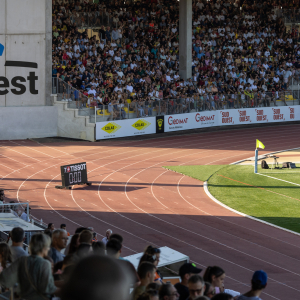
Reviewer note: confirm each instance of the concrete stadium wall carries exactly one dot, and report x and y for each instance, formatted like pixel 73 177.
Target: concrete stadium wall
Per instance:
pixel 28 122
pixel 72 125
pixel 26 34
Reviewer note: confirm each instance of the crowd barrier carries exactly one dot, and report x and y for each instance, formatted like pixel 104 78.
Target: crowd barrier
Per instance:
pixel 196 120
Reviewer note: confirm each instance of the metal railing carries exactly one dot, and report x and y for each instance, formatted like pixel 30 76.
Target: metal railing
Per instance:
pixel 108 109
pixel 65 92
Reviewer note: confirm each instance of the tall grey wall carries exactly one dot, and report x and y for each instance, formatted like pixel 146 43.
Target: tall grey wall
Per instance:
pixel 25 70
pixel 26 34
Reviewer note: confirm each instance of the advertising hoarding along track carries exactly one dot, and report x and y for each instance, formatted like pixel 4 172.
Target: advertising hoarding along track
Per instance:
pixel 122 128
pixel 195 120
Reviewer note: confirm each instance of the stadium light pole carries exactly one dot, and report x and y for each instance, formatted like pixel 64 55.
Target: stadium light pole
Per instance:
pixel 185 38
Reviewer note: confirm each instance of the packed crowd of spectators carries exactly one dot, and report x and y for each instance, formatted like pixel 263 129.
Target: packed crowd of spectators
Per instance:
pixel 60 266
pixel 242 54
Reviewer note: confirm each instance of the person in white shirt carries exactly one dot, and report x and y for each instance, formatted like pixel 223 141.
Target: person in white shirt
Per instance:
pixel 276 79
pixel 92 91
pixel 129 87
pixel 107 236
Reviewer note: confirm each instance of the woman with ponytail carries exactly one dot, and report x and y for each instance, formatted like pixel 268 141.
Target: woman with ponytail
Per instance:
pixel 216 276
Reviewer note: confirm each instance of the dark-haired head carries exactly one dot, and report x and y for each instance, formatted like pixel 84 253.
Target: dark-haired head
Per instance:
pixel 146 270
pixel 51 226
pixel 168 290
pixel 116 236
pixel 17 235
pixel 80 229
pixel 113 248
pixel 149 295
pixel 153 286
pixel 98 248
pixel 214 275
pixel 209 290
pixel 222 296
pixel 196 286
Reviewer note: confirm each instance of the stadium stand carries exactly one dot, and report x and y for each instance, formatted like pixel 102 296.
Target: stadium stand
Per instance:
pixel 243 55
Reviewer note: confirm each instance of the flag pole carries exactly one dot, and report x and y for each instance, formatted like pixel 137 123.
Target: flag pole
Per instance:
pixel 256 158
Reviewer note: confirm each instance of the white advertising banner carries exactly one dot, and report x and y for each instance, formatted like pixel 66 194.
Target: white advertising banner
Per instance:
pixel 195 120
pixel 123 128
pixel 232 117
pixel 190 121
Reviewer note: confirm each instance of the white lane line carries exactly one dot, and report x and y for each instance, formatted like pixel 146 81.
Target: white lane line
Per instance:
pixel 7 167
pixel 21 153
pixel 279 179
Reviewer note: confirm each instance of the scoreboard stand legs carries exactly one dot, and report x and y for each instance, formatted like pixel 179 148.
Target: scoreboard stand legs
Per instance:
pixel 69 187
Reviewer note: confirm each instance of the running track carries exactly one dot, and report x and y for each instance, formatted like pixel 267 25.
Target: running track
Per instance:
pixel 133 195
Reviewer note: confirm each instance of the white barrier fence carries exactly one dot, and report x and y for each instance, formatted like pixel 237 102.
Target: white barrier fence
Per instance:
pixel 177 122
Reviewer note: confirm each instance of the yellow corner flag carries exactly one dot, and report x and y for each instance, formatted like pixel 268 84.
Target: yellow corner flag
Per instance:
pixel 259 144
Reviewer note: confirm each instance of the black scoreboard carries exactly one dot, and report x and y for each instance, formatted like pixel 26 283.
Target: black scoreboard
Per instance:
pixel 73 174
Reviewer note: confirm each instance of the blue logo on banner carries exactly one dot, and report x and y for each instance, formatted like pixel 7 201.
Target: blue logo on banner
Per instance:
pixel 1 49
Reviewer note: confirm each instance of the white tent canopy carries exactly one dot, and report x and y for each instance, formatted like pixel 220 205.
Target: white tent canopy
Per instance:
pixel 168 257
pixel 8 221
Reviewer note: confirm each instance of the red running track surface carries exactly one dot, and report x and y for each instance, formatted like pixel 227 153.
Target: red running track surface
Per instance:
pixel 133 195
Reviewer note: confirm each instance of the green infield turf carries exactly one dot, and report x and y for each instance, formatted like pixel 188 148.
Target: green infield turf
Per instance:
pixel 270 199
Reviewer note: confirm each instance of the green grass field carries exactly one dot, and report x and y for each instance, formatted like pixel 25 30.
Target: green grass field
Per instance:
pixel 237 186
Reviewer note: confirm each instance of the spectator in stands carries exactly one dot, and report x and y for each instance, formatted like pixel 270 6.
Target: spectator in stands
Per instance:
pixel 48 232
pixel 153 286
pixel 215 276
pixel 59 242
pixel 51 227
pixel 35 280
pixel 114 248
pixel 85 243
pixel 107 235
pixel 196 287
pixel 97 278
pixel 23 215
pixel 74 244
pixel 149 295
pixel 2 196
pixel 168 292
pixel 185 272
pixel 17 238
pixel 258 284
pixel 5 256
pixel 64 227
pixel 209 290
pixel 202 298
pixel 152 255
pixel 98 248
pixel 223 296
pixel 116 236
pixel 146 272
